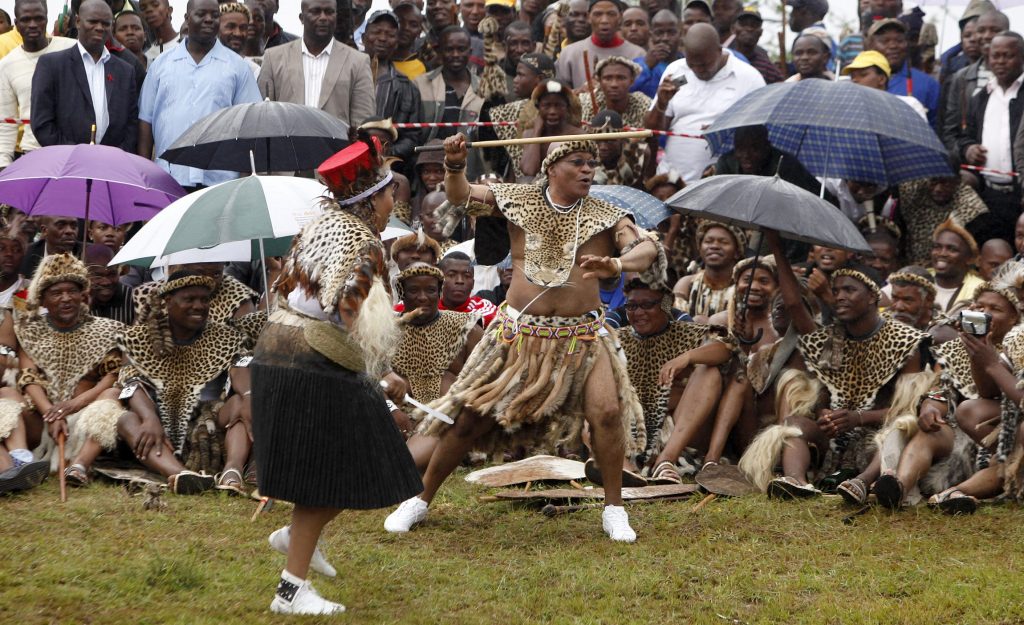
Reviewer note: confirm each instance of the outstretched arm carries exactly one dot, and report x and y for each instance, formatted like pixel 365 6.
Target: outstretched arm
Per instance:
pixel 638 252
pixel 788 285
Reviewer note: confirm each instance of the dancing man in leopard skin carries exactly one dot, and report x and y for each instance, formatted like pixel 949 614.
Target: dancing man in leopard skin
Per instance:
pixel 546 364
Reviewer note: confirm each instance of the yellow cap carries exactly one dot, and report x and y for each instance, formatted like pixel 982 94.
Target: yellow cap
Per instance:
pixel 869 58
pixel 505 3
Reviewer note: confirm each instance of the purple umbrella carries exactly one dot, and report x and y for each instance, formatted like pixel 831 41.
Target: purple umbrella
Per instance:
pixel 84 181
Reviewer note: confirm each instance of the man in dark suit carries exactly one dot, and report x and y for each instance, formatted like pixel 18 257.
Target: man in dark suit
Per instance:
pixel 86 85
pixel 60 234
pixel 993 119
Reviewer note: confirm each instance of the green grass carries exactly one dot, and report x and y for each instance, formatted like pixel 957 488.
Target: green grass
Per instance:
pixel 100 558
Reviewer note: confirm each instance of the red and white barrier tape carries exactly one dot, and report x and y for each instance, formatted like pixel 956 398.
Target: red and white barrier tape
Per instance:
pixel 986 170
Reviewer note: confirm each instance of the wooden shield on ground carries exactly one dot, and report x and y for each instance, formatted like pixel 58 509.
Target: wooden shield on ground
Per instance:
pixel 725 479
pixel 534 469
pixel 566 494
pixel 120 474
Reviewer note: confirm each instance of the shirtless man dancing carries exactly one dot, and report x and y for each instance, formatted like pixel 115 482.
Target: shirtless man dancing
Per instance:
pixel 546 363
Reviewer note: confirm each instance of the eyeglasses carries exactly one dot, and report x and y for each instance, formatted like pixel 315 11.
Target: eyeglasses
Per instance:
pixel 632 306
pixel 580 162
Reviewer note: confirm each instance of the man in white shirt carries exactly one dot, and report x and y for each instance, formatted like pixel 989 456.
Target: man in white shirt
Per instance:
pixel 318 71
pixel 993 118
pixel 714 81
pixel 157 14
pixel 16 71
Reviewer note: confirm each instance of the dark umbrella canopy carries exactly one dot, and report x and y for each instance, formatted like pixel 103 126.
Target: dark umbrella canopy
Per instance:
pixel 281 135
pixel 769 202
pixel 838 130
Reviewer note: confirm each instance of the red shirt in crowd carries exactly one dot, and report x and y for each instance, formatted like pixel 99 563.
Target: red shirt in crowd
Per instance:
pixel 475 304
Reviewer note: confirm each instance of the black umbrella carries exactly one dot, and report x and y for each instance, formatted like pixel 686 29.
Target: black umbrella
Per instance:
pixel 769 202
pixel 282 136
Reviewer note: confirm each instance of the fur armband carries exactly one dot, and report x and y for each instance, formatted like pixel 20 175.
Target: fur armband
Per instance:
pixel 449 215
pixel 110 363
pixel 403 211
pixel 656 274
pixel 29 377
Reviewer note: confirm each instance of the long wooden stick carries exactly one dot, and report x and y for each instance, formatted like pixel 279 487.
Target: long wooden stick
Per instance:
pixel 497 143
pixel 60 467
pixel 590 83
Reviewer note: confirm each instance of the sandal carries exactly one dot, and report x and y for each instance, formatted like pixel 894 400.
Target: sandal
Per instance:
pixel 954 502
pixel 788 488
pixel 665 474
pixel 190 483
pixel 231 480
pixel 76 475
pixel 629 478
pixel 889 491
pixel 853 491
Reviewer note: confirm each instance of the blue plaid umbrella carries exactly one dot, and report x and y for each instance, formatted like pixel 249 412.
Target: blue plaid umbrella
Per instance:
pixel 647 210
pixel 838 130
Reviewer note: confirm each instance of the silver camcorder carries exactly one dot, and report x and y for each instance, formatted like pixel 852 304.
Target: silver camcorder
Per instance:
pixel 974 322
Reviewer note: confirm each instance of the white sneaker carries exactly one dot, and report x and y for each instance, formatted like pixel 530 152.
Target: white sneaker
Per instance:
pixel 301 598
pixel 280 539
pixel 411 512
pixel 616 524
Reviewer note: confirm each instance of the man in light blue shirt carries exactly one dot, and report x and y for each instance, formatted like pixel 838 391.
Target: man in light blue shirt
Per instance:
pixel 183 85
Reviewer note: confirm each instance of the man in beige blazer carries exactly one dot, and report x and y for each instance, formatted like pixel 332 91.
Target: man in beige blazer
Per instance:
pixel 319 71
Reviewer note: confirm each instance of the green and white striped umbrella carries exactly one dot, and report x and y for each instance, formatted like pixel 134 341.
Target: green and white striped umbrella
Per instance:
pixel 227 222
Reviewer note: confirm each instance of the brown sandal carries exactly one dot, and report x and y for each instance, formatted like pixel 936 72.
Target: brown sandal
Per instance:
pixel 76 475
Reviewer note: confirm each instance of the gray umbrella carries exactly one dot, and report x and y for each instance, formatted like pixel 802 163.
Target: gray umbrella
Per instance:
pixel 769 202
pixel 282 136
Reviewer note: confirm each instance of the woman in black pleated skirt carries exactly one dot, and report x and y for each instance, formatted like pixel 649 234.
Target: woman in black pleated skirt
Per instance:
pixel 324 438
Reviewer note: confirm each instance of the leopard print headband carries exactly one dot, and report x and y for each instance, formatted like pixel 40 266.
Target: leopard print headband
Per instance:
pixel 184 282
pixel 565 149
pixel 860 277
pixel 414 270
pixel 1004 292
pixel 914 279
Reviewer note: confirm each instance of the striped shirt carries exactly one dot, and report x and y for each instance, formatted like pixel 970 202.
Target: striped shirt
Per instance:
pixel 119 308
pixel 313 70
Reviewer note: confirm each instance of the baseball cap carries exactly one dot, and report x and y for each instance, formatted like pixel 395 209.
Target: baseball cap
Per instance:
pixel 869 58
pixel 507 4
pixel 883 24
pixel 382 15
pixel 751 13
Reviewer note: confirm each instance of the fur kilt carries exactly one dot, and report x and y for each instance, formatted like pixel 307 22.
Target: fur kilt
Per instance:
pixel 323 435
pixel 529 376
